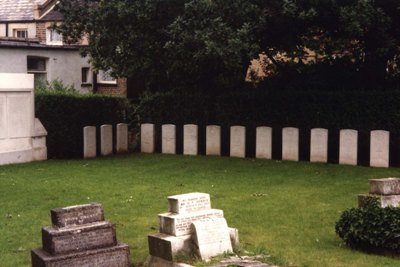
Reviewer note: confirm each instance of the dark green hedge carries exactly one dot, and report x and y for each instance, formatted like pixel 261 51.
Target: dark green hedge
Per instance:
pixel 65 115
pixel 361 110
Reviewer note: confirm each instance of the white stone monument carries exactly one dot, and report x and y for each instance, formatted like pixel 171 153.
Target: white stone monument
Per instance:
pixel 190 139
pixel 290 144
pixel 89 142
pixel 379 149
pixel 238 142
pixel 147 139
pixel 122 138
pixel 106 140
pixel 264 142
pixel 213 140
pixel 348 147
pixel 168 139
pixel 319 145
pixel 22 137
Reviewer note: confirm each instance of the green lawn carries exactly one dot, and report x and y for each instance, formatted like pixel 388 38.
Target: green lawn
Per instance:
pixel 288 208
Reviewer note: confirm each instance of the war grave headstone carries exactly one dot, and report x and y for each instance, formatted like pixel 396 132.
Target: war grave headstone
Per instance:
pixel 264 142
pixel 213 140
pixel 385 190
pixel 238 142
pixel 379 149
pixel 190 139
pixel 290 144
pixel 89 142
pixel 348 147
pixel 106 142
pixel 147 139
pixel 122 138
pixel 79 236
pixel 319 145
pixel 168 136
pixel 180 235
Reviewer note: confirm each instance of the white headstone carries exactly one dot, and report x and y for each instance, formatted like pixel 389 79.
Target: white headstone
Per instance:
pixel 264 142
pixel 186 203
pixel 190 139
pixel 238 141
pixel 168 136
pixel 319 145
pixel 147 140
pixel 213 140
pixel 348 147
pixel 290 144
pixel 211 237
pixel 379 149
pixel 106 140
pixel 122 138
pixel 89 142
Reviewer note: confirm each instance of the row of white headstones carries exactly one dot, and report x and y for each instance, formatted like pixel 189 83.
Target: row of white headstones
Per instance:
pixel 348 143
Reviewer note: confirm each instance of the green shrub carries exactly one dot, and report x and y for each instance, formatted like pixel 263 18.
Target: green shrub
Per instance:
pixel 64 116
pixel 55 86
pixel 371 228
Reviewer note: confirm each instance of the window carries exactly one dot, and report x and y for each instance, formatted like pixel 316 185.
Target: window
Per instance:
pixel 86 75
pixel 53 37
pixel 37 66
pixel 105 77
pixel 20 33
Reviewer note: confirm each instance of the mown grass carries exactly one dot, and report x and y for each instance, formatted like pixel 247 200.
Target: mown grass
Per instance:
pixel 288 209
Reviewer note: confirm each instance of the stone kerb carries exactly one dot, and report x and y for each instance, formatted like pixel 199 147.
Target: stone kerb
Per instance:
pixel 290 144
pixel 379 149
pixel 89 142
pixel 106 140
pixel 80 237
pixel 238 141
pixel 147 138
pixel 190 139
pixel 348 147
pixel 213 140
pixel 168 136
pixel 319 145
pixel 122 138
pixel 264 142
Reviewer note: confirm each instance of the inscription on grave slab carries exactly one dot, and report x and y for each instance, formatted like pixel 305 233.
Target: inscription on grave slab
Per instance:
pixel 76 215
pixel 190 202
pixel 211 236
pixel 384 186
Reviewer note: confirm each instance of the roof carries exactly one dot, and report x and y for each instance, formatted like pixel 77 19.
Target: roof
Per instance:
pixel 24 10
pixel 10 42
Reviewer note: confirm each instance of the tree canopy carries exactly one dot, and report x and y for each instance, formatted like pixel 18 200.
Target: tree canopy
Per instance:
pixel 208 44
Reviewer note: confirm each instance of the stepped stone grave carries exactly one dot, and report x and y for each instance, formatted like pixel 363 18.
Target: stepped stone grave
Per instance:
pixel 385 190
pixel 80 236
pixel 190 227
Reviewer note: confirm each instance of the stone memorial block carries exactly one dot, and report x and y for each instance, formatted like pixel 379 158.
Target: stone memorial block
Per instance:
pixel 106 137
pixel 211 237
pixel 168 133
pixel 147 139
pixel 190 139
pixel 383 201
pixel 19 141
pixel 264 142
pixel 290 144
pixel 213 140
pixel 89 142
pixel 348 147
pixel 179 224
pixel 187 203
pixel 384 186
pixel 238 141
pixel 319 145
pixel 167 247
pixel 379 149
pixel 77 215
pixel 122 138
pixel 80 237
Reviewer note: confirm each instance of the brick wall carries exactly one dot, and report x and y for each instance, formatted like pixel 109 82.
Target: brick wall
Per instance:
pixel 120 89
pixel 41 31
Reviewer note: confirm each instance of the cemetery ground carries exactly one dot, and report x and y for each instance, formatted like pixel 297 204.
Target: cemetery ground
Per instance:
pixel 286 210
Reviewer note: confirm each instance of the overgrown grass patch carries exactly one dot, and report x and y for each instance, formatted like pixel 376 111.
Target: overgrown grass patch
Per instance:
pixel 288 209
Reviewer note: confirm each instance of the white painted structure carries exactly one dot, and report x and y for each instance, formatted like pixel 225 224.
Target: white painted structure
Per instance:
pixel 22 137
